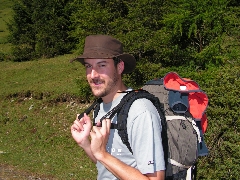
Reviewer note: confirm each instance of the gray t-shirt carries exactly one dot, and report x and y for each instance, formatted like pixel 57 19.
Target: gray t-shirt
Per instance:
pixel 144 135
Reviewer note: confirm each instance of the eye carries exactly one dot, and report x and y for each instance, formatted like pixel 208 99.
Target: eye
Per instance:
pixel 87 66
pixel 102 65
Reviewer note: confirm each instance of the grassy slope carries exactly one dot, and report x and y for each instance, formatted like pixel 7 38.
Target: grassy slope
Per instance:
pixel 35 133
pixel 55 75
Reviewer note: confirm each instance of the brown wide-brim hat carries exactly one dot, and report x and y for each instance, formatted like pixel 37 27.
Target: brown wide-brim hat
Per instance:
pixel 106 47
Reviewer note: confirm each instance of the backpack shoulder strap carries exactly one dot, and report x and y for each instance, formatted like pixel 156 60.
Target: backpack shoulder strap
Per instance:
pixel 123 115
pixel 122 110
pixel 95 105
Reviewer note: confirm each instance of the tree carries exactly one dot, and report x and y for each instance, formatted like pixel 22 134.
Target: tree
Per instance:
pixel 175 32
pixel 196 31
pixel 95 17
pixel 22 35
pixel 51 24
pixel 40 29
pixel 133 22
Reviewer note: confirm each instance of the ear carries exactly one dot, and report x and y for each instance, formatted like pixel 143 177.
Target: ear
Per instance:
pixel 120 67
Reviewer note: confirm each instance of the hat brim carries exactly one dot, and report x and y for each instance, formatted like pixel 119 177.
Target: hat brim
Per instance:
pixel 128 59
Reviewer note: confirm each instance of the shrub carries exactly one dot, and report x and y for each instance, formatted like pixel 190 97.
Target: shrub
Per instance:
pixel 84 89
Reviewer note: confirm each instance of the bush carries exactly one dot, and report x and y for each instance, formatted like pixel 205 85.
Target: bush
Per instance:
pixel 84 89
pixel 2 56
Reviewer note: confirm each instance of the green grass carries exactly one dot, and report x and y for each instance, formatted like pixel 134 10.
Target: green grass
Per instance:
pixel 35 130
pixel 5 16
pixel 50 76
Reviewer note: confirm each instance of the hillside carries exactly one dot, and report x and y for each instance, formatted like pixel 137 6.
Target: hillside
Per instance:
pixel 38 104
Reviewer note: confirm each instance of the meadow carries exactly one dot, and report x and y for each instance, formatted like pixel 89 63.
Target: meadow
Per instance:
pixel 38 104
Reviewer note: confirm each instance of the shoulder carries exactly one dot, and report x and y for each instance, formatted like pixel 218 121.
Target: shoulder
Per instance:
pixel 143 111
pixel 142 105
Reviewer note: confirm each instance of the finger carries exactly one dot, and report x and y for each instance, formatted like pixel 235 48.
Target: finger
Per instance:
pixel 93 133
pixel 108 125
pixel 104 126
pixel 86 118
pixel 96 131
pixel 77 118
pixel 82 118
pixel 74 127
pixel 78 125
pixel 99 124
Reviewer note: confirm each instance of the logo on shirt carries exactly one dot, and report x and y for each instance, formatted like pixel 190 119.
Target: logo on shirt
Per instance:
pixel 114 151
pixel 150 162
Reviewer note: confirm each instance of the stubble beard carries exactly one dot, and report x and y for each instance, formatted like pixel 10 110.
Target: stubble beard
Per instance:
pixel 104 91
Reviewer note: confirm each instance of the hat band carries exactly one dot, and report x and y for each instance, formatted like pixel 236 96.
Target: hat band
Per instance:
pixel 101 50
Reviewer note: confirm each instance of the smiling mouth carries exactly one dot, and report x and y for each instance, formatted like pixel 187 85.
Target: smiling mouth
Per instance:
pixel 96 82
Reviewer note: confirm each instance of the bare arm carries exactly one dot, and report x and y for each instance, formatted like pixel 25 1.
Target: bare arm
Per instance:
pixel 123 171
pixel 118 168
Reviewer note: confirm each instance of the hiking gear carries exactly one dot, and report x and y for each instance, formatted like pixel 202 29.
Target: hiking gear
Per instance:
pixel 183 102
pixel 106 47
pixel 181 105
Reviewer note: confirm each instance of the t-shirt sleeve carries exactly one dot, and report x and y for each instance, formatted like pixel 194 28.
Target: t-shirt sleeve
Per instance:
pixel 144 133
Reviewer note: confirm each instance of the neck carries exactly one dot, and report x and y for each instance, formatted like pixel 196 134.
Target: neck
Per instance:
pixel 114 94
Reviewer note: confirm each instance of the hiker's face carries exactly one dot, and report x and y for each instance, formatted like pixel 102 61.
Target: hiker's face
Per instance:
pixel 102 76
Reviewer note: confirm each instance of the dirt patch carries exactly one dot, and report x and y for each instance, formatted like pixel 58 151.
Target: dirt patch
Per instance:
pixel 47 96
pixel 8 172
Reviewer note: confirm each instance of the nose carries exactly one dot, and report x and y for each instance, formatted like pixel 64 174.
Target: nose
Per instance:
pixel 94 74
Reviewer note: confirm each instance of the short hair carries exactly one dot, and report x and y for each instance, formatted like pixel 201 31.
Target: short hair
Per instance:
pixel 116 61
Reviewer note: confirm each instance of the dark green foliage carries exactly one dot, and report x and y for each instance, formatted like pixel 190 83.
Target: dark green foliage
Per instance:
pixel 39 29
pixel 132 22
pixel 96 17
pixel 171 33
pixel 52 28
pixel 196 31
pixel 22 34
pixel 222 87
pixel 84 90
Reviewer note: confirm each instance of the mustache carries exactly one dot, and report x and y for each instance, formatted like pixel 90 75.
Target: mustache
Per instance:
pixel 96 81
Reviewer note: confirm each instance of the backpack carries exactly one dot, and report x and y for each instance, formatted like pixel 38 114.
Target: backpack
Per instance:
pixel 181 105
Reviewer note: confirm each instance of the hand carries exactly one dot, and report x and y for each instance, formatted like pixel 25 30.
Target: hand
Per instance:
pixel 99 136
pixel 81 130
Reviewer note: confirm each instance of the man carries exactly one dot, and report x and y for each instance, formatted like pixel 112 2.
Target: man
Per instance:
pixel 105 63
